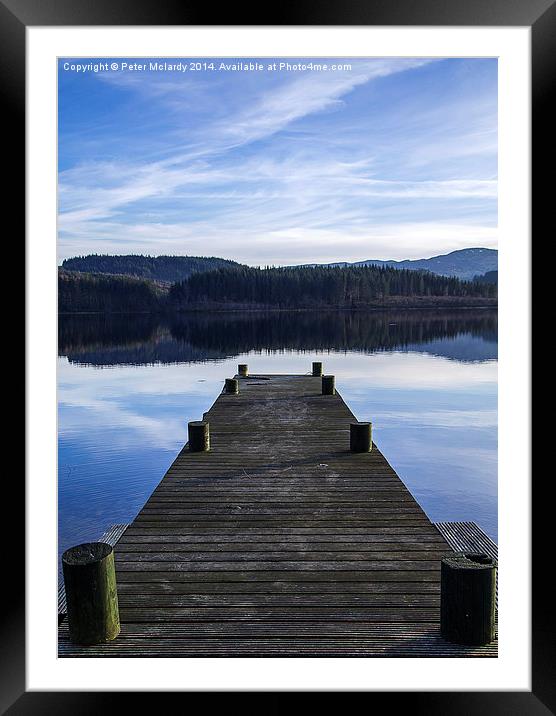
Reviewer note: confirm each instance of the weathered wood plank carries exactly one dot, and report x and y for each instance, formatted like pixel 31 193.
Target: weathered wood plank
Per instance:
pixel 154 600
pixel 278 639
pixel 303 547
pixel 297 589
pixel 277 573
pixel 127 565
pixel 238 541
pixel 276 556
pixel 288 614
pixel 277 530
pixel 467 537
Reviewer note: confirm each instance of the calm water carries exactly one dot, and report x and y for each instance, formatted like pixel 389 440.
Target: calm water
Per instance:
pixel 128 385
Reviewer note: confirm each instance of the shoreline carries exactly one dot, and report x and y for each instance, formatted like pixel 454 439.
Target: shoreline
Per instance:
pixel 327 309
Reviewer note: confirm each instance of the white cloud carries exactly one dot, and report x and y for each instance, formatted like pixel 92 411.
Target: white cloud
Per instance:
pixel 306 95
pixel 247 238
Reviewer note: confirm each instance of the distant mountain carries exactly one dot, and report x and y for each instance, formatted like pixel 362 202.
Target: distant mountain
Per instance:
pixel 463 264
pixel 167 269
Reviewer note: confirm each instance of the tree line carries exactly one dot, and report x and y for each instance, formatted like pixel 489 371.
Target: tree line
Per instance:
pixel 157 268
pixel 297 287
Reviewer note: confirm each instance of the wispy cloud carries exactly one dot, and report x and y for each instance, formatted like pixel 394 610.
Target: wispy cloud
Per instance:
pixel 302 169
pixel 305 96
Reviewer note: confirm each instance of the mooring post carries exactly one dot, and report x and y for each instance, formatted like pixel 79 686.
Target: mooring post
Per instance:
pixel 328 385
pixel 468 598
pixel 91 596
pixel 360 437
pixel 199 436
pixel 317 368
pixel 231 385
pixel 243 370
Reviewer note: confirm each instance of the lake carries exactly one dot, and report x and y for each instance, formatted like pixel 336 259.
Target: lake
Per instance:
pixel 128 385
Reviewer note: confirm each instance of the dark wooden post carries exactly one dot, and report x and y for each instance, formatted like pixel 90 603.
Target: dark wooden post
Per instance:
pixel 91 596
pixel 468 598
pixel 317 369
pixel 328 385
pixel 243 370
pixel 360 437
pixel 231 385
pixel 199 436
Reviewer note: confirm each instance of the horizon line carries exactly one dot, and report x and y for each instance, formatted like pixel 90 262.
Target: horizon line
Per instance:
pixel 286 265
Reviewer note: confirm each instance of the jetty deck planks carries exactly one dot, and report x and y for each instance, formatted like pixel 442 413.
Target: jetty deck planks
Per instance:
pixel 279 542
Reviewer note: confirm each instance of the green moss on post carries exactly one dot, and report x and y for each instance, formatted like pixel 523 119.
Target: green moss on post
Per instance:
pixel 468 598
pixel 328 385
pixel 317 369
pixel 360 437
pixel 231 385
pixel 243 370
pixel 91 595
pixel 199 436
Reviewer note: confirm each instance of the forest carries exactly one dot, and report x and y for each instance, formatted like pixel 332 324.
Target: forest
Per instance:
pixel 321 286
pixel 276 288
pixel 83 292
pixel 488 277
pixel 168 269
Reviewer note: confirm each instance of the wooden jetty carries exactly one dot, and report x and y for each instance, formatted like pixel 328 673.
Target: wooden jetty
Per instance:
pixel 279 541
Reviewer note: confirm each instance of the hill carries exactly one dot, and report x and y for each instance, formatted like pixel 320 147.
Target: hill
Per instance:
pixel 168 269
pixel 464 263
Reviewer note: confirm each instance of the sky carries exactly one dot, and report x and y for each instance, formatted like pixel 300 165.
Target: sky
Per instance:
pixel 384 158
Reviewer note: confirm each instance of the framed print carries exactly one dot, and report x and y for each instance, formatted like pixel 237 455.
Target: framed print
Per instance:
pixel 271 442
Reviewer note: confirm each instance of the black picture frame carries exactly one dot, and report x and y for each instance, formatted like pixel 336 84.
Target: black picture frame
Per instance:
pixel 540 16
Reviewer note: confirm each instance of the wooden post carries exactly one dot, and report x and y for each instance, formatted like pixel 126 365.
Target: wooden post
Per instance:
pixel 243 370
pixel 360 437
pixel 328 385
pixel 468 598
pixel 91 596
pixel 231 385
pixel 317 369
pixel 199 436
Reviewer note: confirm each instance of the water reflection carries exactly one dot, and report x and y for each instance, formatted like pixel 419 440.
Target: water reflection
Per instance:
pixel 427 381
pixel 104 340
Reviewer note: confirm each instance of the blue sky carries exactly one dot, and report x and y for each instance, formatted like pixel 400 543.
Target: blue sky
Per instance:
pixel 386 158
